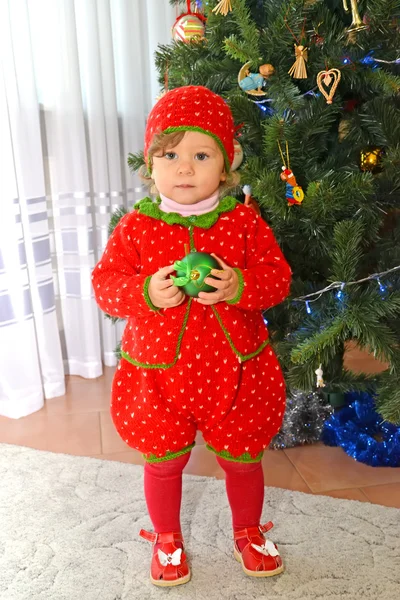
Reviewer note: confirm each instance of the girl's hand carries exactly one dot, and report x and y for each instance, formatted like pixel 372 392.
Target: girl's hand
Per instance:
pixel 227 284
pixel 162 291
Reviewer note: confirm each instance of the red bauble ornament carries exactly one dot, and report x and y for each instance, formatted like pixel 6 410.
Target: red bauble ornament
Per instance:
pixel 189 26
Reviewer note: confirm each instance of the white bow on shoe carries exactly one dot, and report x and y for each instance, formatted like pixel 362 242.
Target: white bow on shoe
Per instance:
pixel 268 549
pixel 170 559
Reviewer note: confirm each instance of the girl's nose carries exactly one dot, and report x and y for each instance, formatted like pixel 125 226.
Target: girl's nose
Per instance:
pixel 185 167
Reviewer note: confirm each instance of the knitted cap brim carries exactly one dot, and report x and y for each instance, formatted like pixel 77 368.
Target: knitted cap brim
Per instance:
pixel 201 130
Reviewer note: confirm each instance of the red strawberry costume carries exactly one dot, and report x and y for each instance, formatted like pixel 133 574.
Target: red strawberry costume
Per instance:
pixel 194 366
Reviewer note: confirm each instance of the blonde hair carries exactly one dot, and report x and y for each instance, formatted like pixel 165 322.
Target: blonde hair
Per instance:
pixel 162 141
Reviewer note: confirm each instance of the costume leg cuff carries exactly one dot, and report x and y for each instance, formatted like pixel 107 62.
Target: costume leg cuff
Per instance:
pixel 243 458
pixel 152 458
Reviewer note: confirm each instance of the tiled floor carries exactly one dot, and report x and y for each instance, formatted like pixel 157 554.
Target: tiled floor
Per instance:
pixel 79 423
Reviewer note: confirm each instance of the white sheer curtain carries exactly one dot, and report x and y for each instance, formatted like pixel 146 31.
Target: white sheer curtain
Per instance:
pixel 77 81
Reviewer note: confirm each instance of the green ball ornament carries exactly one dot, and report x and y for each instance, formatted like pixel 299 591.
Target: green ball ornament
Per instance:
pixel 191 272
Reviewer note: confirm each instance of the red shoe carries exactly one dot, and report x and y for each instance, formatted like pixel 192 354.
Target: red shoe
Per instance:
pixel 168 564
pixel 260 558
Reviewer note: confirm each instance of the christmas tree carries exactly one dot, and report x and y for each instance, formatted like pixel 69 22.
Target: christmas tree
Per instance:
pixel 314 93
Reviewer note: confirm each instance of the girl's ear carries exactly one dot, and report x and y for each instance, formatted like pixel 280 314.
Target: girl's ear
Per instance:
pixel 223 176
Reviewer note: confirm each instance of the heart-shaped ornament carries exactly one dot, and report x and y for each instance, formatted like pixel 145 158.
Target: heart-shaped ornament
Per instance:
pixel 328 79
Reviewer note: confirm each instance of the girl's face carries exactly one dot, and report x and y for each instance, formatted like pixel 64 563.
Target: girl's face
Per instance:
pixel 191 171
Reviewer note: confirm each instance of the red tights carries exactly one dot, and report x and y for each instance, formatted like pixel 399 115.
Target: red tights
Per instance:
pixel 163 492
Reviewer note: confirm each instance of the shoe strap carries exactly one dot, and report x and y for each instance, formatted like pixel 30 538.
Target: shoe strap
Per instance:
pixel 266 527
pixel 169 537
pixel 249 532
pixel 148 535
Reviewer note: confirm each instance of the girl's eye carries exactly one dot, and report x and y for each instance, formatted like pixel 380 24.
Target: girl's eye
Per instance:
pixel 201 156
pixel 170 155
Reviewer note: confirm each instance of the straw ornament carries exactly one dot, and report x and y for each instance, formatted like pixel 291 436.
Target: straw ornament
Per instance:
pixel 223 7
pixel 330 79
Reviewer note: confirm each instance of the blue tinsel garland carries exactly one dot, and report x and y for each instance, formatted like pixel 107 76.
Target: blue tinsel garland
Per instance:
pixel 359 430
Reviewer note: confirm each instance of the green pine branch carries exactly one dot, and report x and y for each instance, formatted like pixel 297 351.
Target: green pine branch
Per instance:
pixel 347 249
pixel 323 343
pixel 238 50
pixel 135 161
pixel 372 333
pixel 383 82
pixel 249 32
pixel 115 218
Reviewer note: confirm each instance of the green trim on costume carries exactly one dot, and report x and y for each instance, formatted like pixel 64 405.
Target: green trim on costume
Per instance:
pixel 243 357
pixel 147 295
pixel 243 458
pixel 239 294
pixel 201 130
pixel 151 209
pixel 178 348
pixel 191 239
pixel 169 456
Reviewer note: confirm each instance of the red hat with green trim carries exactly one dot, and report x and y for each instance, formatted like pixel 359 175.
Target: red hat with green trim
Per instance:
pixel 193 108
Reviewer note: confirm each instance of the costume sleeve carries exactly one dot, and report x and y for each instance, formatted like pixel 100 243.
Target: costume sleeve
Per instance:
pixel 266 279
pixel 119 287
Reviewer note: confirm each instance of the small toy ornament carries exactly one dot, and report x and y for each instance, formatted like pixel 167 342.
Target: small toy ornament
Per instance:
pixel 371 159
pixel 328 78
pixel 238 157
pixel 294 192
pixel 252 83
pixel 319 373
pixel 298 69
pixel 191 272
pixel 189 26
pixel 249 200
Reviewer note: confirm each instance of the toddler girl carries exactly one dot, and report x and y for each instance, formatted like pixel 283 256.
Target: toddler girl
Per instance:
pixel 195 364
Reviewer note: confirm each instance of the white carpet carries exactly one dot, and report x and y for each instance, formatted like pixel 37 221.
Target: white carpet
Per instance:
pixel 68 531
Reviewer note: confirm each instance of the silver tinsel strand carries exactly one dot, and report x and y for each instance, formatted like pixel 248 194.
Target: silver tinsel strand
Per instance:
pixel 304 418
